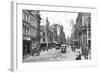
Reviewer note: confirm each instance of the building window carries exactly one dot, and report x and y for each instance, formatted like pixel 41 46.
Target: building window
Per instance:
pixel 43 33
pixel 89 34
pixel 83 21
pixel 28 18
pixel 43 39
pixel 27 33
pixel 23 14
pixel 25 30
pixel 89 44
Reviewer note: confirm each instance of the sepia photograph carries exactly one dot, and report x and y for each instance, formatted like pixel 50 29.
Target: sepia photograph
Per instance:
pixel 49 35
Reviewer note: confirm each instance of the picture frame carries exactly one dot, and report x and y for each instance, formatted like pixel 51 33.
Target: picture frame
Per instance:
pixel 16 27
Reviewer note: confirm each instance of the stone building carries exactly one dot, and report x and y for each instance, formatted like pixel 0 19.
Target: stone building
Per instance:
pixel 46 33
pixel 56 33
pixel 51 35
pixel 31 29
pixel 62 37
pixel 86 32
pixel 82 32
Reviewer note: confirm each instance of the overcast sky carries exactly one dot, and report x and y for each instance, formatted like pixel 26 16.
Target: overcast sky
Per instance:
pixel 62 18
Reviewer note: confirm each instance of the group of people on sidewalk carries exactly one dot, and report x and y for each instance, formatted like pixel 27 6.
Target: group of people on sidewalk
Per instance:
pixel 83 53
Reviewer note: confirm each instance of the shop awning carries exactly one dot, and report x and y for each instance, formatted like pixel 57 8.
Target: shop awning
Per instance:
pixel 26 38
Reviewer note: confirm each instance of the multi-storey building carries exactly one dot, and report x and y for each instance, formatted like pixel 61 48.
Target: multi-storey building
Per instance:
pixel 31 29
pixel 46 35
pixel 82 31
pixel 52 35
pixel 56 33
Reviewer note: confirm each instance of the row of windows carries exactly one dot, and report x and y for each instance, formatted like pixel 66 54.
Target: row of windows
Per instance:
pixel 29 18
pixel 29 31
pixel 50 39
pixel 86 20
pixel 43 34
pixel 25 17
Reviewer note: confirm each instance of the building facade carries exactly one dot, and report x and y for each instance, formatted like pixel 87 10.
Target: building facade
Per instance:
pixel 46 33
pixel 31 29
pixel 82 32
pixel 86 33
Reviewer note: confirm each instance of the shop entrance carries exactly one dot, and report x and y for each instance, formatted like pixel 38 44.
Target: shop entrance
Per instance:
pixel 26 47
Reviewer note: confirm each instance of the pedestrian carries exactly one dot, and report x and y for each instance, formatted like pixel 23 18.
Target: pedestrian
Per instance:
pixel 33 51
pixel 79 56
pixel 86 53
pixel 38 49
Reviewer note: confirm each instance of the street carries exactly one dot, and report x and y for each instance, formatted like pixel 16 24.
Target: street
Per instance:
pixel 52 55
pixel 46 37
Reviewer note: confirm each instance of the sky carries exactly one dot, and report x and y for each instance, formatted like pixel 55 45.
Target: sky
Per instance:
pixel 62 18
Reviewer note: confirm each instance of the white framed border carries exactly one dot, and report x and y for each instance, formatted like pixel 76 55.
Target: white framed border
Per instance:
pixel 16 59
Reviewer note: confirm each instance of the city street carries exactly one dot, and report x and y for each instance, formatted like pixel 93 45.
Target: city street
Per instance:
pixel 52 55
pixel 42 31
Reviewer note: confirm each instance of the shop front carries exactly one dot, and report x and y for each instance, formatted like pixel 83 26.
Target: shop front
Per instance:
pixel 26 46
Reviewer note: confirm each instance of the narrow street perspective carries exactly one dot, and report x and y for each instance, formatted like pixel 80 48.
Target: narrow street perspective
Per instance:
pixel 56 36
